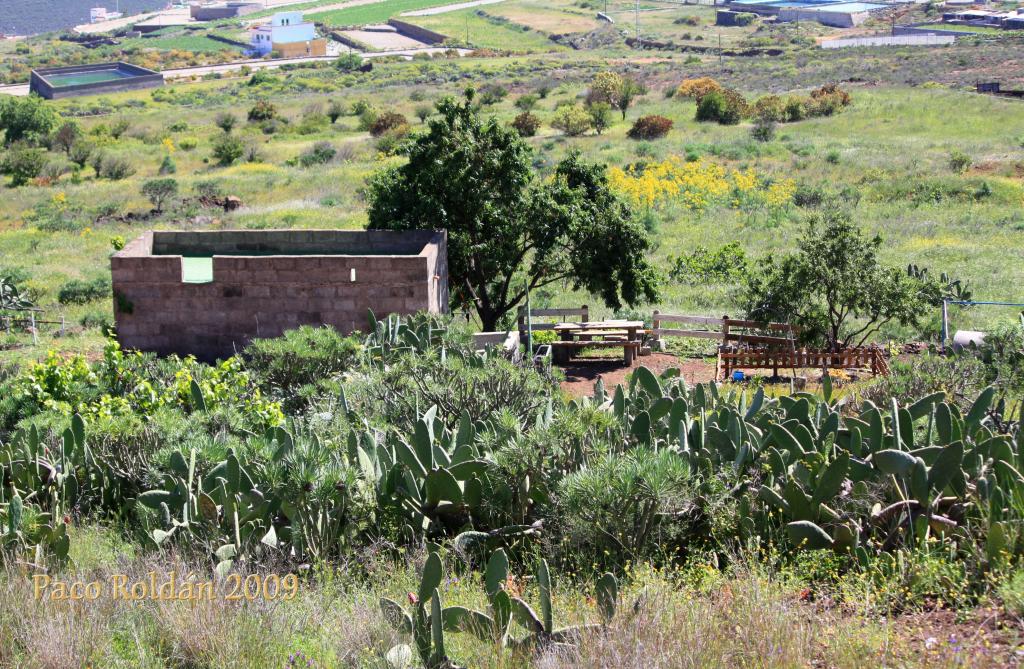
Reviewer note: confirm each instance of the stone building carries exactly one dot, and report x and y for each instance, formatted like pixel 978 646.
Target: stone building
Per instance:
pixel 209 293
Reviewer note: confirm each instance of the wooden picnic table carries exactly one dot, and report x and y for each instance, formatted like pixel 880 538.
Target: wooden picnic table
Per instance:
pixel 580 336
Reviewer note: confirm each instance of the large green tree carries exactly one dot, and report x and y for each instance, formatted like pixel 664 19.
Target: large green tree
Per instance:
pixel 834 286
pixel 507 227
pixel 26 119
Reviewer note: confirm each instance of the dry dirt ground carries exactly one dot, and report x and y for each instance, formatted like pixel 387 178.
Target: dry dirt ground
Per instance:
pixel 384 41
pixel 582 374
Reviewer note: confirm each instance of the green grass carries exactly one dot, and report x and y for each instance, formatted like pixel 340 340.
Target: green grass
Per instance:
pixel 467 27
pixel 955 27
pixel 193 43
pixel 894 139
pixel 378 12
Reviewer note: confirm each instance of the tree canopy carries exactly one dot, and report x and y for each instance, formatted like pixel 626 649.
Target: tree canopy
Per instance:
pixel 26 119
pixel 834 286
pixel 506 226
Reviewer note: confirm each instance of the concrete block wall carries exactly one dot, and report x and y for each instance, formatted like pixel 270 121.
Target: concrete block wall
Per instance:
pixel 263 295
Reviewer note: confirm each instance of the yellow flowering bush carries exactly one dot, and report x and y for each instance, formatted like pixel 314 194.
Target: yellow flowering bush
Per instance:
pixel 699 184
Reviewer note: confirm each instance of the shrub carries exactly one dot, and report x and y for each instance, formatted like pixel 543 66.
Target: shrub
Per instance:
pixel 959 376
pixel 727 264
pixel 112 167
pixel 24 163
pixel 367 118
pixel 527 102
pixel 263 110
pixel 386 122
pixel 696 89
pixel 795 109
pixel 600 116
pixel 335 110
pixel 491 94
pixel 65 137
pixel 959 162
pixel 228 149
pixel 158 191
pixel 526 124
pixel 349 61
pixel 167 166
pixel 319 154
pixel 745 18
pixel 391 142
pixel 80 152
pixel 763 130
pixel 300 361
pixel 769 108
pixel 650 127
pixel 723 106
pixel 225 121
pixel 77 291
pixel 573 120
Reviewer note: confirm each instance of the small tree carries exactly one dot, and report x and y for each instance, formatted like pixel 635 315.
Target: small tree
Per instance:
pixel 387 121
pixel 158 191
pixel 600 116
pixel 26 119
pixel 724 106
pixel 227 149
pixel 627 93
pixel 573 120
pixel 225 121
pixel 335 110
pixel 23 163
pixel 423 112
pixel 604 88
pixel 834 286
pixel 526 124
pixel 350 61
pixel 66 136
pixel 80 153
pixel 527 102
pixel 650 127
pixel 263 110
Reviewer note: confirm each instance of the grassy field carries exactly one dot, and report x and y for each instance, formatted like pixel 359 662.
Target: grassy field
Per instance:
pixel 890 151
pixel 919 158
pixel 378 12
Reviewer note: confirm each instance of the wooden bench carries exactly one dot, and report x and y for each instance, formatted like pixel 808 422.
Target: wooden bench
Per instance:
pixel 562 350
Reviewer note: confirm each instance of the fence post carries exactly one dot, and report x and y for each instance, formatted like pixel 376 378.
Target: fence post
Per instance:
pixel 659 343
pixel 32 322
pixel 586 313
pixel 62 325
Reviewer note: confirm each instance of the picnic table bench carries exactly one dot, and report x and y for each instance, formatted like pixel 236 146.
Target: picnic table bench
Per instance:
pixel 600 334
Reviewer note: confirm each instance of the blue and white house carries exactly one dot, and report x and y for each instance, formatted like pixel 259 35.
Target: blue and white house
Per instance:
pixel 284 28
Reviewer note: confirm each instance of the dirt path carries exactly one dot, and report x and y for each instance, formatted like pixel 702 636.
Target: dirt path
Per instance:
pixel 581 375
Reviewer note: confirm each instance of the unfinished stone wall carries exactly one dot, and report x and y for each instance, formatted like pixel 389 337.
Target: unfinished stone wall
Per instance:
pixel 259 290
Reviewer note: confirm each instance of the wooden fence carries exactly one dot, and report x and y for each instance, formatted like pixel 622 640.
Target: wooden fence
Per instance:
pixel 582 314
pixel 740 350
pixel 803 358
pixel 727 329
pixel 10 320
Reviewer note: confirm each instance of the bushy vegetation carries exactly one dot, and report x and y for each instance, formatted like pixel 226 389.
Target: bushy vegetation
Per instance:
pixel 379 443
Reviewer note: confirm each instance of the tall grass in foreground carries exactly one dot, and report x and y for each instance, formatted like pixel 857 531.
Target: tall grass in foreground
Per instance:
pixel 669 619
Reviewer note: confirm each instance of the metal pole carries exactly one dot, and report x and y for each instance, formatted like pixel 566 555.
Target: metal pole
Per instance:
pixel 529 323
pixel 636 19
pixel 945 323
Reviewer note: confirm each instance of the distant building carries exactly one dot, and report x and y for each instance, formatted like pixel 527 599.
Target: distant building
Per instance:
pixel 209 294
pixel 222 10
pixel 98 14
pixel 288 35
pixel 836 13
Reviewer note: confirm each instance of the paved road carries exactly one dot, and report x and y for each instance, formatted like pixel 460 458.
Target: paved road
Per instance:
pixel 170 75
